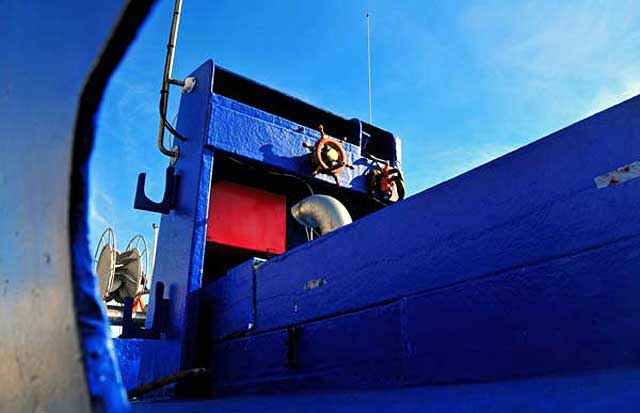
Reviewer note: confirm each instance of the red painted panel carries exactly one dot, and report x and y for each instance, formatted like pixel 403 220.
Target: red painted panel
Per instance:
pixel 245 217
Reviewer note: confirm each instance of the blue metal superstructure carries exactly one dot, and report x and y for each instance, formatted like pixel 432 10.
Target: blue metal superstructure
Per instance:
pixel 220 128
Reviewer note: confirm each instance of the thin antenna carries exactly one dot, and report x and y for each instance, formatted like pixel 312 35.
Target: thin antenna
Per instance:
pixel 369 64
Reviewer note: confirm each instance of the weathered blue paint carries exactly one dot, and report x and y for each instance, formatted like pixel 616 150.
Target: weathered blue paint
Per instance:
pixel 573 313
pixel 238 364
pixel 56 352
pixel 128 352
pixel 565 315
pixel 357 350
pixel 533 205
pixel 534 274
pixel 615 391
pixel 181 240
pixel 370 139
pixel 276 142
pixel 229 301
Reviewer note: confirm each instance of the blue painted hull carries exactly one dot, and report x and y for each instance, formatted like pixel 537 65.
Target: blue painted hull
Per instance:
pixel 615 391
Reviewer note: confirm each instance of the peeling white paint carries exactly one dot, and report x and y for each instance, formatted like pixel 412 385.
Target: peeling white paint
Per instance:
pixel 619 175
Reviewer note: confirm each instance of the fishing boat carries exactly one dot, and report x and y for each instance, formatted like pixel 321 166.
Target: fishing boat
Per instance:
pixel 291 274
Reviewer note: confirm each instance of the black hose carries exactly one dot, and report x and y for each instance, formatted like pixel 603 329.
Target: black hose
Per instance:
pixel 173 378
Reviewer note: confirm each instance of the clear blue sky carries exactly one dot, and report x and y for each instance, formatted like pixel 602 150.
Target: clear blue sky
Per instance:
pixel 460 82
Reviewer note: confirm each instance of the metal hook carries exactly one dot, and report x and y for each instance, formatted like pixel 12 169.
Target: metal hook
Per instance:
pixel 142 202
pixel 160 317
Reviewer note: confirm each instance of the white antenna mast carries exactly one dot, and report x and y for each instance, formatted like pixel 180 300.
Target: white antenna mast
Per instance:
pixel 369 64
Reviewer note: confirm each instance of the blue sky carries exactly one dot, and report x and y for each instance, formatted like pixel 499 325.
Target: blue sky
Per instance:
pixel 460 82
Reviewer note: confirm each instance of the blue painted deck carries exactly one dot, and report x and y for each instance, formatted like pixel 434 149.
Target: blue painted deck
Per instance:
pixel 590 393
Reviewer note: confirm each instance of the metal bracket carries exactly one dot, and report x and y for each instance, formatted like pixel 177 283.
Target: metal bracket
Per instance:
pixel 142 202
pixel 160 317
pixel 189 84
